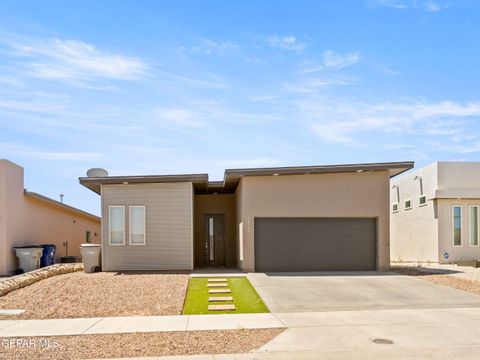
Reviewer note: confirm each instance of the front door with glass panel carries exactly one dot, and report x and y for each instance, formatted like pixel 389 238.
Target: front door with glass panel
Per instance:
pixel 214 240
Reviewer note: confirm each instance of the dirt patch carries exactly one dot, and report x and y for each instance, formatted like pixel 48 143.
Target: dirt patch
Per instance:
pixel 99 295
pixel 144 344
pixel 440 278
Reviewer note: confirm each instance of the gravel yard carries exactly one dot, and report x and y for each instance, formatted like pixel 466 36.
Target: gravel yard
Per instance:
pixel 100 294
pixel 144 344
pixel 442 276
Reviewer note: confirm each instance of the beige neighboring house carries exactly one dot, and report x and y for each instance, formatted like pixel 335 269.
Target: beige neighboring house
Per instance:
pixel 435 213
pixel 28 218
pixel 303 218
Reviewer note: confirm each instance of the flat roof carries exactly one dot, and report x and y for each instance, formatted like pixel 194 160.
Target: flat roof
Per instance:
pixel 232 176
pixel 51 201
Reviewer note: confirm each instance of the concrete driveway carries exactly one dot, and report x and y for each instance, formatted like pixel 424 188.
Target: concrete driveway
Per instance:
pixel 313 292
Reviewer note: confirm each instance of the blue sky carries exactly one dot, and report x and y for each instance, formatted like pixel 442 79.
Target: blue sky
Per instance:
pixel 157 87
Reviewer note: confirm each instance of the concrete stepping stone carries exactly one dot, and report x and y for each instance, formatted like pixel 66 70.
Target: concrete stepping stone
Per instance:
pixel 217 285
pixel 11 312
pixel 221 307
pixel 217 280
pixel 219 291
pixel 220 298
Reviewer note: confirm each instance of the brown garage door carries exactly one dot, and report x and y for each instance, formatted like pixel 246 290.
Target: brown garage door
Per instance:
pixel 315 244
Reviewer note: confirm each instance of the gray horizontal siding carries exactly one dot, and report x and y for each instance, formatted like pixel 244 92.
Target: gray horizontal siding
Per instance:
pixel 169 228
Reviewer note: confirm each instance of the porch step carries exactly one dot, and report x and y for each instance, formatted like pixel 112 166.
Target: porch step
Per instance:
pixel 214 280
pixel 221 307
pixel 217 285
pixel 220 298
pixel 219 291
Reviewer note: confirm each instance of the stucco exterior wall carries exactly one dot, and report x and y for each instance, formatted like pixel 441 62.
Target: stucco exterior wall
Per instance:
pixel 465 251
pixel 425 233
pixel 414 232
pixel 320 195
pixel 458 175
pixel 169 227
pixel 216 204
pixel 28 221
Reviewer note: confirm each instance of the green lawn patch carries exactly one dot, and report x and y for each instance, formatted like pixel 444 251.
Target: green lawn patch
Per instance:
pixel 245 297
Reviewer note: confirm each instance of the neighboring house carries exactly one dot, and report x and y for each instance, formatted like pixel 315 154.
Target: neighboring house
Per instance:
pixel 272 219
pixel 435 213
pixel 28 218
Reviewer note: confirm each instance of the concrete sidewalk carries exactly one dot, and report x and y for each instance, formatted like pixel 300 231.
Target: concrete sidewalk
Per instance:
pixel 445 333
pixel 131 324
pixel 371 354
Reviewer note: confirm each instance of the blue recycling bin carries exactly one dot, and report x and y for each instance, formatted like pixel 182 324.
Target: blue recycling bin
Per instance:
pixel 48 257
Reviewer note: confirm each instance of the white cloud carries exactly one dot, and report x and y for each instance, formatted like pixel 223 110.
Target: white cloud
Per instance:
pixel 431 6
pixel 339 121
pixel 311 85
pixel 210 47
pixel 395 4
pixel 74 61
pixel 287 42
pixel 30 152
pixel 180 117
pixel 331 61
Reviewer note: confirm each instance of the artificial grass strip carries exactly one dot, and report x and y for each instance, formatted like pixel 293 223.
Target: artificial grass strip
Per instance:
pixel 245 297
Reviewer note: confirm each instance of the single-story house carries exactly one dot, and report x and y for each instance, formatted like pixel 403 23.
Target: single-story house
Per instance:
pixel 435 213
pixel 28 218
pixel 305 218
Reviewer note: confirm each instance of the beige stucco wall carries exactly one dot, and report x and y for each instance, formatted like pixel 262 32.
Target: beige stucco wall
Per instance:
pixel 169 227
pixel 323 195
pixel 414 232
pixel 425 233
pixel 27 221
pixel 215 204
pixel 465 251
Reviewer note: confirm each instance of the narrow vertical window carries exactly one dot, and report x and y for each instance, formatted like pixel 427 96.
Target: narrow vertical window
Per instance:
pixel 457 225
pixel 211 239
pixel 88 237
pixel 474 225
pixel 116 225
pixel 137 225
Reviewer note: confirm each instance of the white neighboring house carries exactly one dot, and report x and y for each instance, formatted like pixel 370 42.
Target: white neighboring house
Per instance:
pixel 435 214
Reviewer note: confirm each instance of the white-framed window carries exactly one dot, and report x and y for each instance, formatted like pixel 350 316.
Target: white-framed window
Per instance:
pixel 116 225
pixel 457 225
pixel 422 200
pixel 474 224
pixel 395 207
pixel 408 204
pixel 137 225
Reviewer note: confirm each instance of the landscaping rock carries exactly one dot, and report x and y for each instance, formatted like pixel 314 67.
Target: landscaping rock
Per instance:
pixel 17 282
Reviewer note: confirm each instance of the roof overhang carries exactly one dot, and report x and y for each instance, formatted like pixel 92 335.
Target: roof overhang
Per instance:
pixel 95 183
pixel 232 176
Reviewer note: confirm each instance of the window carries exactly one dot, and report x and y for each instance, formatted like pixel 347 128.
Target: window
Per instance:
pixel 116 225
pixel 422 200
pixel 211 239
pixel 474 223
pixel 457 225
pixel 88 237
pixel 395 207
pixel 408 204
pixel 137 225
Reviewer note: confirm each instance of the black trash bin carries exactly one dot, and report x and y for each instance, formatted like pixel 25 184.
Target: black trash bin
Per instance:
pixel 48 257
